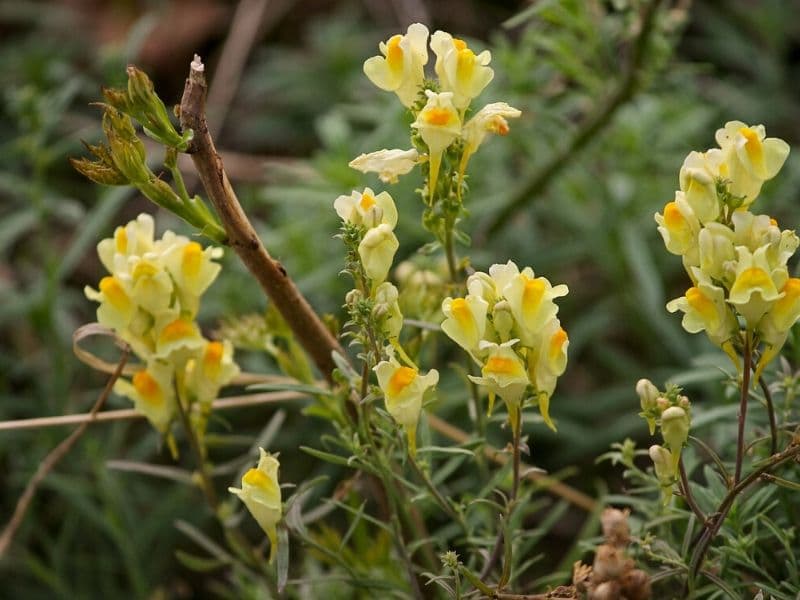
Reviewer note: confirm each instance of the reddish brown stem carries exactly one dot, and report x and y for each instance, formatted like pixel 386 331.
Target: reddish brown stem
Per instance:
pixel 317 340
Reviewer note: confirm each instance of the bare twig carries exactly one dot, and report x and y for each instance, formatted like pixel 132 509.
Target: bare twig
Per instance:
pixel 552 485
pixel 317 340
pixel 539 180
pixel 130 413
pixel 52 459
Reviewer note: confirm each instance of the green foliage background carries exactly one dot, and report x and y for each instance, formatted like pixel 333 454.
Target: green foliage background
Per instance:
pixel 94 531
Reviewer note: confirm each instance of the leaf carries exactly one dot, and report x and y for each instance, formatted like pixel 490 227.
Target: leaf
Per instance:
pixel 445 450
pixel 302 388
pixel 283 557
pixel 200 564
pixel 327 456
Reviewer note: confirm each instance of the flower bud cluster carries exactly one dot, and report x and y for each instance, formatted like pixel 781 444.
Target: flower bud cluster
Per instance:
pixel 735 259
pixel 438 106
pixel 150 299
pixel 613 575
pixel 671 412
pixel 508 324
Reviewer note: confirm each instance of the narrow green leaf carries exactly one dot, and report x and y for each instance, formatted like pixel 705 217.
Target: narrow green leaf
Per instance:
pixel 199 563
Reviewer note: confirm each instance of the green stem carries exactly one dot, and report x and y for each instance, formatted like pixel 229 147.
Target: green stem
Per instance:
pixel 437 495
pixel 773 426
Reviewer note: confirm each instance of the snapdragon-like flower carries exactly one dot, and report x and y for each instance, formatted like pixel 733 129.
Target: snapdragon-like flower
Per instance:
pixel 490 119
pixel 401 68
pixel 465 321
pixel 388 164
pixel 751 157
pixel 403 388
pixel 531 301
pixel 459 70
pixel 698 181
pixel 152 392
pixel 756 286
pixel 774 327
pixel 439 124
pixel 663 462
pixel 367 208
pixel 679 227
pixel 133 239
pixel 261 494
pixel 505 375
pixel 547 364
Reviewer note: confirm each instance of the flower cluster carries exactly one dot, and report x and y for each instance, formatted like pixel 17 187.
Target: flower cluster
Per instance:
pixel 439 106
pixel 368 221
pixel 735 259
pixel 671 412
pixel 508 324
pixel 150 298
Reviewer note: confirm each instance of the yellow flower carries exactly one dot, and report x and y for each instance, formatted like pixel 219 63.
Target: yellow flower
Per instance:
pixel 377 251
pixel 750 156
pixel 403 389
pixel 135 238
pixel 465 321
pixel 117 309
pixel 211 370
pixel 679 227
pixel 177 337
pixel 503 374
pixel 546 364
pixel 367 208
pixel 261 494
pixel 192 268
pixel 459 70
pixel 152 393
pixel 401 68
pixel 675 426
pixel 775 325
pixel 531 301
pixel 755 289
pixel 388 164
pixel 151 285
pixel 717 253
pixel 439 124
pixel 705 309
pixel 490 119
pixel 698 182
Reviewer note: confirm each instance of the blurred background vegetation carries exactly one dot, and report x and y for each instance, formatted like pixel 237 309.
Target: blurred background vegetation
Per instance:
pixel 299 112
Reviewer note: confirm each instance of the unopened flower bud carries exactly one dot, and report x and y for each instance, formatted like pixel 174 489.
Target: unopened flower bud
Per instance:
pixel 683 402
pixel 648 393
pixel 502 320
pixel 675 428
pixel 450 559
pixel 662 461
pixel 662 404
pixel 353 297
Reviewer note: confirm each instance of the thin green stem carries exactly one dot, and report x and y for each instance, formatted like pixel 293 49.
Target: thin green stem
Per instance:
pixel 436 494
pixel 773 426
pixel 747 353
pixel 498 545
pixel 207 485
pixel 687 493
